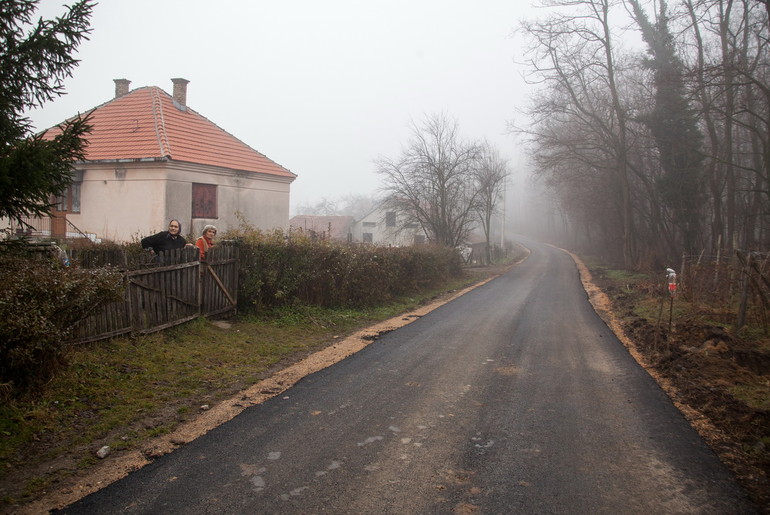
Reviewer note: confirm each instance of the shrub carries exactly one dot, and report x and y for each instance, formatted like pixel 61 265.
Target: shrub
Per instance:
pixel 39 302
pixel 280 269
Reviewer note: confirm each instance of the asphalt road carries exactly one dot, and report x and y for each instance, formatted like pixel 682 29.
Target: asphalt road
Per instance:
pixel 514 398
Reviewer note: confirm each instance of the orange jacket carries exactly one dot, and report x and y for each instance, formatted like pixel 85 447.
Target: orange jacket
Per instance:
pixel 203 244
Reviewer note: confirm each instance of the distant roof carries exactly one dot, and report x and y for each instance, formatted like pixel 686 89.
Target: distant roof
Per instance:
pixel 340 225
pixel 147 123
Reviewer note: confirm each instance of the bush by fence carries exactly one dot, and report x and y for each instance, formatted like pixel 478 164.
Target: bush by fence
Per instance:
pixel 45 306
pixel 279 269
pixel 40 301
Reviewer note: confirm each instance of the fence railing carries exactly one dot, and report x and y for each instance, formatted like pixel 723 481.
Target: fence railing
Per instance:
pixel 160 291
pixel 31 226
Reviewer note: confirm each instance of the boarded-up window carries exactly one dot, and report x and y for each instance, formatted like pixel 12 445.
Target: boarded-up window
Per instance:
pixel 204 200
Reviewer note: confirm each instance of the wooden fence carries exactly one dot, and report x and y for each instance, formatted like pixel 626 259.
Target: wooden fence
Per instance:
pixel 160 291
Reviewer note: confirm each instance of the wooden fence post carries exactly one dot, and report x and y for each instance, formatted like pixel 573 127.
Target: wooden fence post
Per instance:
pixel 745 293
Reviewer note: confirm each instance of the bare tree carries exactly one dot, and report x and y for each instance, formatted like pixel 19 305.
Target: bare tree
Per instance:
pixel 433 182
pixel 732 85
pixel 573 55
pixel 357 205
pixel 324 207
pixel 491 175
pixel 619 140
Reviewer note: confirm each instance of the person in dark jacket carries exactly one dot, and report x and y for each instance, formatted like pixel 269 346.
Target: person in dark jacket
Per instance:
pixel 166 240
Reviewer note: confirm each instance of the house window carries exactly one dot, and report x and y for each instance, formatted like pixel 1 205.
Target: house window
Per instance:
pixel 368 237
pixel 370 224
pixel 69 200
pixel 419 239
pixel 75 197
pixel 390 219
pixel 204 200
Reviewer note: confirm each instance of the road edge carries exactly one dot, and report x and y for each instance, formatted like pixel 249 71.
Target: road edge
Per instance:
pixel 603 307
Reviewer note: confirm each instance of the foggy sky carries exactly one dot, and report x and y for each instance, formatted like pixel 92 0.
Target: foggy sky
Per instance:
pixel 322 88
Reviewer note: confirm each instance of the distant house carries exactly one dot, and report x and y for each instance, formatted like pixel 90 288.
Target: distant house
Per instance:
pixel 151 158
pixel 477 246
pixel 385 227
pixel 337 228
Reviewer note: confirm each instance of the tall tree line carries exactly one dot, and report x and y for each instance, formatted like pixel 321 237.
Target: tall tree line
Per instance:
pixel 656 152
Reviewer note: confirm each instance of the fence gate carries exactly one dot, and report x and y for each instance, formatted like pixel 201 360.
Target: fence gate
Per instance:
pixel 163 297
pixel 163 293
pixel 219 281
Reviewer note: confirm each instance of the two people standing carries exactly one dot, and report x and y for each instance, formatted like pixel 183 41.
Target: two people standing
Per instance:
pixel 172 239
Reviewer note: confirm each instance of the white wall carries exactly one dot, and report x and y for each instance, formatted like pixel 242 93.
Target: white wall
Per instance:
pixel 126 201
pixel 381 233
pixel 121 201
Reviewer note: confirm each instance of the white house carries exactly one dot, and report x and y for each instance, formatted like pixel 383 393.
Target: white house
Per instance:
pixel 384 227
pixel 152 158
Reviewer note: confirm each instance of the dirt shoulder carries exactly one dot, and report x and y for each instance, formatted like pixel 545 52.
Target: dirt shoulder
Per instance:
pixel 701 367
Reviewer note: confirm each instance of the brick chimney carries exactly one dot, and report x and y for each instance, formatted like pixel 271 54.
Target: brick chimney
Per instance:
pixel 121 87
pixel 180 91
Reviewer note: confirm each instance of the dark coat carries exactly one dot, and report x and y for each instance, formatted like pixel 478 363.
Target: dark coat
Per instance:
pixel 163 241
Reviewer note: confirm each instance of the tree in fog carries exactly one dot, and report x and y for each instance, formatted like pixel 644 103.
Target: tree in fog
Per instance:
pixel 674 127
pixel 356 205
pixel 35 59
pixel 433 182
pixel 492 172
pixel 654 151
pixel 580 116
pixel 323 207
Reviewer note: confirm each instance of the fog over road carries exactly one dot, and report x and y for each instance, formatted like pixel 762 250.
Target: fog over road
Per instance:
pixel 513 398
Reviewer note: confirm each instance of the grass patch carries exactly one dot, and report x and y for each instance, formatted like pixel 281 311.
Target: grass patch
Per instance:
pixel 124 391
pixel 756 395
pixel 626 277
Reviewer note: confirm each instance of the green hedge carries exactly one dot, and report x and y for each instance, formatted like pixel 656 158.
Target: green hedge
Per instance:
pixel 41 299
pixel 39 302
pixel 279 269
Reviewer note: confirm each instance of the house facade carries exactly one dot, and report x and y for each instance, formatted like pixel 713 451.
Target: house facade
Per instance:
pixel 151 158
pixel 378 227
pixel 385 227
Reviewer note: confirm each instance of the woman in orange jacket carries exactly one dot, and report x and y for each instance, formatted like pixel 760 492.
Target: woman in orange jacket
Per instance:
pixel 206 241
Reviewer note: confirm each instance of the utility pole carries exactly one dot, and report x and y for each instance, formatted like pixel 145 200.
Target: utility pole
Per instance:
pixel 502 220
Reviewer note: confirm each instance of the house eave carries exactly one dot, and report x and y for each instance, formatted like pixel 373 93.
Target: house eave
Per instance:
pixel 239 172
pixel 129 160
pixel 218 170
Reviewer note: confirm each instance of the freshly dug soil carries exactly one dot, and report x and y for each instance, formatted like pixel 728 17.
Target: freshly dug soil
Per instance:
pixel 700 366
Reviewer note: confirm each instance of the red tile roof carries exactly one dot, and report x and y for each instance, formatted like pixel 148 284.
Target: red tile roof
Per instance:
pixel 147 124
